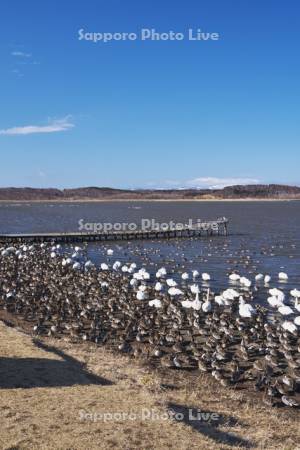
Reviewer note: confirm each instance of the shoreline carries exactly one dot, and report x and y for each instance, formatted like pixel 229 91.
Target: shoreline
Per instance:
pixel 204 200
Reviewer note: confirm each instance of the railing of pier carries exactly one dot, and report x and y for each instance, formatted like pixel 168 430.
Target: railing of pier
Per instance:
pixel 207 228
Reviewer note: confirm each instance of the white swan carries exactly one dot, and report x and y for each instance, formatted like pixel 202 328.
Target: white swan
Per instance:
pixel 289 326
pixel 158 286
pixel 282 276
pixel 116 265
pixel 297 321
pixel 277 293
pixel 141 295
pixel 194 288
pixel 195 274
pixel 297 304
pixel 285 310
pixel 196 304
pixel 234 277
pixel 174 291
pixel 245 309
pixel 155 302
pixel 207 306
pixel 275 302
pixel 295 293
pixel 170 282
pixel 259 277
pixel 161 272
pixel 205 276
pixel 245 282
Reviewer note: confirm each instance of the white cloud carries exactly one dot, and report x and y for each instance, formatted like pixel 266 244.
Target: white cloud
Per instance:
pixel 201 183
pixel 54 126
pixel 21 54
pixel 218 183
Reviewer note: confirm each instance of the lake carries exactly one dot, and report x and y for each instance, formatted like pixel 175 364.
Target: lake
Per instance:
pixel 264 236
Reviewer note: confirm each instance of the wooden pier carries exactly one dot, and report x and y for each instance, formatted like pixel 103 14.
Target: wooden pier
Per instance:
pixel 209 228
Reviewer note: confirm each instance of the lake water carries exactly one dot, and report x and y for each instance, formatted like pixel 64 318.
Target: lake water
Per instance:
pixel 263 236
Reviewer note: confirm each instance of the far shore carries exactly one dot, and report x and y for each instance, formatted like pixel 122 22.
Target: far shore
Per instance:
pixel 111 200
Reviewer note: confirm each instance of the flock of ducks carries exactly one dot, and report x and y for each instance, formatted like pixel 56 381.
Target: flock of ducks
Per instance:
pixel 175 323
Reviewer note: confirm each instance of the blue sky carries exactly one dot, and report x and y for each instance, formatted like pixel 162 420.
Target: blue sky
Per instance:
pixel 149 113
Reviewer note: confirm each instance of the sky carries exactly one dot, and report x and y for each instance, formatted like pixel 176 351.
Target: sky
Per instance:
pixel 149 113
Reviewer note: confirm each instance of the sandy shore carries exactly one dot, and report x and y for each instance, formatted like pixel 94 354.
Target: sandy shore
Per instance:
pixel 48 386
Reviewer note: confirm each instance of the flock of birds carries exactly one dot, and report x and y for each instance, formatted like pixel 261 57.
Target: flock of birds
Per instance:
pixel 175 323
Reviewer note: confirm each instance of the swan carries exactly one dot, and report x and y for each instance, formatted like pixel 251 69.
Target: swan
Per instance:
pixel 133 282
pixel 76 265
pixel 205 276
pixel 116 265
pixel 170 282
pixel 295 293
pixel 104 266
pixel 143 288
pixel 297 304
pixel 207 306
pixel 194 289
pixel 245 282
pixel 155 302
pixel 297 321
pixel 186 304
pixel 174 291
pixel 88 264
pixel 141 295
pixel 185 276
pixel 196 304
pixel 289 326
pixel 259 277
pixel 285 310
pixel 245 309
pixel 195 274
pixel 267 279
pixel 110 252
pixel 158 286
pixel 234 277
pixel 275 302
pixel 142 274
pixel 230 294
pixel 282 276
pixel 161 273
pixel 220 300
pixel 277 293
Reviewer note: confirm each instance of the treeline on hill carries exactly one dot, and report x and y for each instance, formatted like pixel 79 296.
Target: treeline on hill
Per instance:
pixel 263 191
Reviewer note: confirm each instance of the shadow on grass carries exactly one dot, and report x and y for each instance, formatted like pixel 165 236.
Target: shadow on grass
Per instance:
pixel 208 423
pixel 29 373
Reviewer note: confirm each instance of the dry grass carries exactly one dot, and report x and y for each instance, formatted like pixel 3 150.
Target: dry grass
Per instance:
pixel 44 385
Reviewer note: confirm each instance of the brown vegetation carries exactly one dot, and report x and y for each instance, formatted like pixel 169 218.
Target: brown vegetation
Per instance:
pixel 271 191
pixel 45 385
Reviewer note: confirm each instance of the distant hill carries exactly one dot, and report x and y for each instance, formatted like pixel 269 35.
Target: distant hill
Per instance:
pixel 257 191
